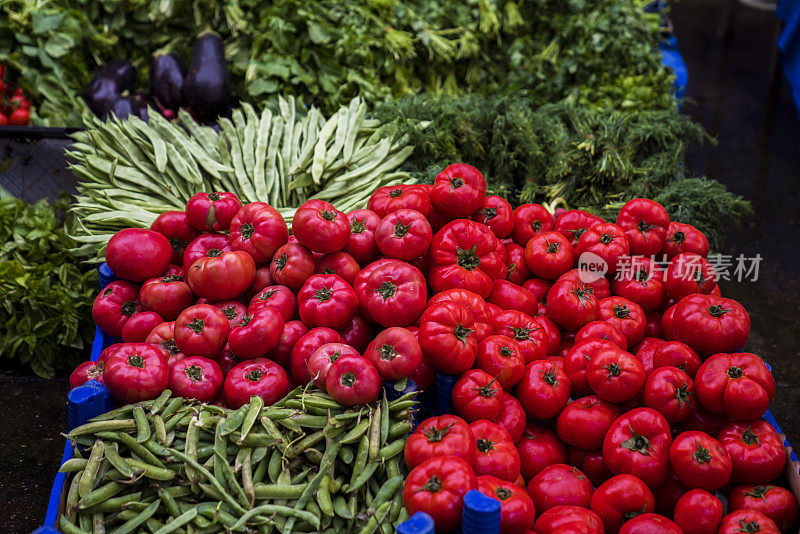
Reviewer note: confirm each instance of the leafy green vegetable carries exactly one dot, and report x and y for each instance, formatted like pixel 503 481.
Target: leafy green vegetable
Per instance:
pixel 45 294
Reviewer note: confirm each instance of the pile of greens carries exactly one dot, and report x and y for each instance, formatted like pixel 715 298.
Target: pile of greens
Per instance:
pixel 45 295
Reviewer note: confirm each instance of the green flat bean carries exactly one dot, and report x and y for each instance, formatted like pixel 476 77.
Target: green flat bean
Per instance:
pixel 374 433
pixel 234 420
pixel 172 407
pixel 132 524
pixel 69 527
pixel 340 507
pixel 278 510
pixel 324 496
pixel 278 491
pixel 90 471
pixel 274 467
pixel 99 426
pixel 387 491
pixel 356 432
pixel 151 471
pixel 72 465
pixel 160 430
pixel 384 428
pixel 179 521
pixel 256 404
pixel 363 476
pixel 214 482
pixel 160 401
pixel 392 449
pixel 139 450
pixel 100 494
pixel 142 426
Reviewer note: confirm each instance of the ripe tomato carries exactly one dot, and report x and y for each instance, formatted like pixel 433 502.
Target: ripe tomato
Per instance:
pixel 137 254
pixel 163 335
pixel 600 286
pixel 530 220
pixel 263 279
pixel 221 275
pixel 447 337
pixel 621 498
pixel 437 487
pixel 573 223
pixel 552 332
pixel 549 255
pixel 496 454
pixel 602 330
pixel 511 417
pixel 353 380
pixel 502 358
pixel 497 214
pixel 19 117
pixel 358 333
pixel 362 244
pixel 605 240
pixel 516 507
pixel 174 225
pixel 775 502
pixel 510 296
pixel 259 230
pixel 544 389
pixel 305 347
pixel 475 304
pixel 523 328
pixel 259 377
pixel 395 353
pixel 625 315
pixel 559 485
pixel 212 212
pixel 645 223
pixel 458 191
pixel 584 422
pixel 738 385
pixel 476 396
pixel 638 443
pixel 615 375
pixel 338 263
pixel 195 377
pixel 327 300
pixel 320 227
pixel 517 270
pixel 653 326
pixel 201 330
pixel 135 372
pixel 290 335
pixel 700 461
pixel 569 519
pixel 650 524
pixel 538 288
pixel 256 334
pixel 202 245
pixel 291 266
pixel 538 448
pixel 390 198
pixel 684 238
pixel 676 354
pixel 710 324
pixel 114 306
pixel 577 359
pixel 139 326
pixel 755 449
pixel 666 322
pixel 698 512
pixel 321 360
pixel 404 235
pixel 280 298
pixel 747 520
pixel 392 293
pixel 445 435
pixel 233 309
pixel 168 296
pixel 591 463
pixel 641 281
pixel 86 371
pixel 571 304
pixel 689 273
pixel 670 391
pixel 464 254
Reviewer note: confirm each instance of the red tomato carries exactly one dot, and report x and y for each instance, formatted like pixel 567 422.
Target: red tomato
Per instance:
pixel 263 279
pixel 523 328
pixel 670 391
pixel 584 422
pixel 511 417
pixel 641 281
pixel 259 377
pixel 234 311
pixel 606 241
pixel 756 451
pixel 516 507
pixel 625 315
pixel 738 385
pixel 139 326
pixel 195 377
pixel 395 353
pixel 290 335
pixel 168 296
pixel 174 225
pixel 502 358
pixel 538 448
pixel 391 198
pixel 357 333
pixel 653 326
pixel 517 270
pixel 321 360
pixel 676 354
pixel 549 255
pixel 600 286
pixel 645 223
pixel 327 300
pixel 259 230
pixel 747 521
pixel 3 118
pixel 538 288
pixel 620 498
pixel 445 435
pixel 689 273
pixel 646 351
pixel 201 330
pixel 702 419
pixel 497 214
pixel 291 266
pixel 175 270
pixel 86 371
pixel 591 463
pixel 353 380
pixel 212 212
pixel 476 396
pixel 280 298
pixel 164 336
pixel 615 375
pixel 463 254
pixel 573 223
pixel 256 334
pixel 700 461
pixel 684 238
pixel 305 347
pixel 437 487
pixel 710 324
pixel 638 443
pixel 571 304
pixel 338 263
pixel 559 485
pixel 602 330
pixel 568 520
pixel 496 454
pixel 137 254
pixel 447 337
pixel 458 191
pixel 404 235
pixel 114 306
pixel 320 227
pixel 698 512
pixel 509 296
pixel 552 332
pixel 392 293
pixel 221 275
pixel 544 389
pixel 362 244
pixel 530 220
pixel 577 359
pixel 136 372
pixel 479 308
pixel 650 524
pixel 202 245
pixel 19 117
pixel 775 502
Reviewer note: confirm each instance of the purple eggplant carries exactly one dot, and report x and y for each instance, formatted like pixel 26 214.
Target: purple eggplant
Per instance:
pixel 207 87
pixel 167 73
pixel 108 84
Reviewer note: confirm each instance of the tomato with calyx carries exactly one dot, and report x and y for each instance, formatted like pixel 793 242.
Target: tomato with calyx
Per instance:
pixel 291 266
pixel 437 487
pixel 339 263
pixel 362 244
pixel 458 191
pixel 544 389
pixel 395 353
pixel 516 507
pixel 569 520
pixel 391 293
pixel 645 223
pixel 584 422
pixel 168 296
pixel 710 325
pixel 326 300
pixel 390 198
pixel 525 330
pixel 576 362
pixel 137 254
pixel 698 512
pixel 259 230
pixel 676 354
pixel 114 306
pixel 477 395
pixel 256 334
pixel 496 454
pixel 606 241
pixel 212 212
pixel 539 447
pixel 280 298
pixel 201 330
pixel 305 347
pixel 517 271
pixel 444 435
pixel 738 385
pixel 447 337
pixel 475 304
pixel 530 220
pixel 689 273
pixel 136 372
pixel 497 214
pixel 502 358
pixel 320 227
pixel 621 498
pixel 86 371
pixel 700 461
pixel 747 520
pixel 404 235
pixel 775 502
pixel 259 377
pixel 602 330
pixel 549 255
pixel 684 238
pixel 573 223
pixel 642 281
pixel 200 246
pixel 174 225
pixel 625 315
pixel 353 380
pixel 572 304
pixel 321 360
pixel 637 443
pixel 756 451
pixel 221 275
pixel 615 375
pixel 195 377
pixel 560 485
pixel 671 392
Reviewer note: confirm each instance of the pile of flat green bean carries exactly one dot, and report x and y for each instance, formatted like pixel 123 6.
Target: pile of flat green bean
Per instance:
pixel 130 171
pixel 304 464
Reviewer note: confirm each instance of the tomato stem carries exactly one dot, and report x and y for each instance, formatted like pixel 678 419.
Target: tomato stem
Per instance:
pixel 388 352
pixel 254 375
pixel 622 311
pixel 433 485
pixel 327 215
pixel 716 310
pixel 759 492
pixel 247 230
pixel 229 311
pixel 750 438
pixel 484 445
pixel 323 294
pixel 455 183
pixel 394 193
pixel 468 258
pixel 521 334
pixel 735 372
pixel 536 225
pixel 245 320
pixel 552 248
pixel 170 346
pixel 386 290
pixel 134 360
pixel 357 227
pixel 213 197
pixel 266 295
pixel 194 372
pixel 637 443
pixel 701 454
pixel 507 351
pixel 335 356
pixel 462 333
pixel 549 377
pixel 606 238
pixel 487 391
pixel 197 325
pixel 436 435
pixel 129 308
pixel 400 229
pixel 280 261
pixel 678 237
pixel 348 380
pixel 749 527
pixel 172 278
pixel 502 493
pixel 613 369
pixel 489 213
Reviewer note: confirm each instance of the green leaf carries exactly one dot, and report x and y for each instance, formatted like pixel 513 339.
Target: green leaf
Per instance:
pixel 43 23
pixel 59 44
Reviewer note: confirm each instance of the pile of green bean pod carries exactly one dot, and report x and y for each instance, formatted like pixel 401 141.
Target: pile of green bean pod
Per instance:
pixel 304 464
pixel 130 171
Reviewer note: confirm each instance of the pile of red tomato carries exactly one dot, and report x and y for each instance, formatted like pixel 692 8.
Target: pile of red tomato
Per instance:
pixel 585 401
pixel 15 109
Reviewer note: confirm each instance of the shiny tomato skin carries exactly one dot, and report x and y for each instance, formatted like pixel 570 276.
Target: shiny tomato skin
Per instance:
pixel 755 449
pixel 511 417
pixel 501 357
pixel 583 423
pixel 645 223
pixel 544 389
pixel 353 380
pixel 263 279
pixel 775 502
pixel 615 375
pixel 569 520
pixel 538 287
pixel 259 230
pixel 86 371
pixel 549 255
pixel 200 246
pixel 212 212
pixel 689 273
pixel 698 512
pixel 139 326
pixel 747 520
pixel 591 463
pixel 700 461
pixel 538 448
pixel 168 296
pixel 326 300
pixel 671 392
pixel 201 330
pixel 571 304
pixel 517 270
pixel 625 315
pixel 576 362
pixel 477 395
pixel 291 266
pixel 710 325
pixel 552 333
pixel 114 306
pixel 223 276
pixel 677 354
pixel 525 330
pixel 530 220
pixel 437 487
pixel 305 346
pixel 497 214
pixel 516 507
pixel 320 227
pixel 163 335
pixel 645 352
pixel 479 308
pixel 619 498
pixel 637 443
pixel 278 297
pixel 136 372
pixel 738 385
pixel 395 353
pixel 684 238
pixel 339 263
pixel 357 333
pixel 234 311
pixel 258 377
pixel 601 287
pixel 444 435
pixel 653 326
pixel 390 198
pixel 510 296
pixel 559 485
pixel 447 337
pixel 137 254
pixel 257 334
pixel 573 223
pixel 195 377
pixel 392 294
pixel 602 330
pixel 174 225
pixel 362 244
pixel 321 360
pixel 650 523
pixel 458 191
pixel 496 454
pixel 605 240
pixel 642 281
pixel 290 334
pixel 404 235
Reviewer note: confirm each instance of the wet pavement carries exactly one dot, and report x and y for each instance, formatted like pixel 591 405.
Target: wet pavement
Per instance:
pixel 757 157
